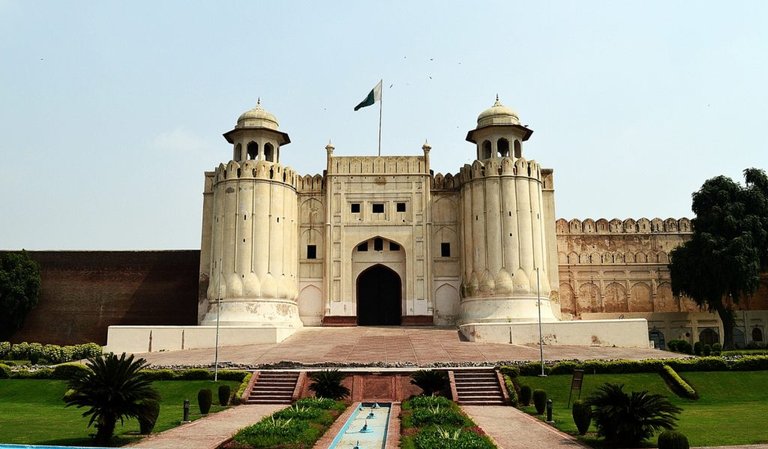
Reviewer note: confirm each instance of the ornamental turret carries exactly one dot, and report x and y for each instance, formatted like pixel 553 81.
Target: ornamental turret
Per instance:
pixel 503 225
pixel 251 211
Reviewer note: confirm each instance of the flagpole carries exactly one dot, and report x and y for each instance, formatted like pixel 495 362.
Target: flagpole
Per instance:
pixel 381 106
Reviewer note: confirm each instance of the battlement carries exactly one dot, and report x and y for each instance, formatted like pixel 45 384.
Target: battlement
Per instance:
pixel 628 226
pixel 505 166
pixel 445 182
pixel 310 184
pixel 252 169
pixel 377 165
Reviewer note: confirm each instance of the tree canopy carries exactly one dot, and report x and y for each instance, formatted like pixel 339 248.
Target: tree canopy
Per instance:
pixel 19 289
pixel 721 264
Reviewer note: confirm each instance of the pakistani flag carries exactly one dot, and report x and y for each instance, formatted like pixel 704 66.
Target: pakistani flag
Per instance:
pixel 373 97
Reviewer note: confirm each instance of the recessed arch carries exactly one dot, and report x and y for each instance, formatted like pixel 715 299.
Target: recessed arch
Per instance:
pixel 502 147
pixel 486 150
pixel 518 149
pixel 253 150
pixel 379 296
pixel 269 152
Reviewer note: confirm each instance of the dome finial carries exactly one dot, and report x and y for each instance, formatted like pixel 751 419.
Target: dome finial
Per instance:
pixel 258 100
pixel 497 102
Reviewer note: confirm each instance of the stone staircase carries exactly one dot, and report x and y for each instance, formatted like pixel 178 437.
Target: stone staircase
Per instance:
pixel 273 387
pixel 478 387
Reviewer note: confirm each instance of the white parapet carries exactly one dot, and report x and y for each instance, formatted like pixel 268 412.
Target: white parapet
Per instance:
pixel 630 333
pixel 173 338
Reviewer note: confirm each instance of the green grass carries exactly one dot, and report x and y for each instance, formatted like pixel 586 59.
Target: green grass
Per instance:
pixel 731 409
pixel 34 413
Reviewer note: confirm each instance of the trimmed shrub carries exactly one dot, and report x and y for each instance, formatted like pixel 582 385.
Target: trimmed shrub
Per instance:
pixel 564 368
pixel 148 418
pixel 582 416
pixel 438 415
pixel 231 374
pixel 669 439
pixel 511 371
pixel 43 373
pixel 698 348
pixel 511 391
pixel 20 351
pixel 540 401
pixel 5 349
pixel 525 394
pixel 68 370
pixel 159 374
pixel 717 348
pixel 5 371
pixel 677 384
pixel 706 350
pixel 204 400
pixel 224 393
pixel 429 401
pixel 684 347
pixel 750 363
pixel 195 374
pixel 430 381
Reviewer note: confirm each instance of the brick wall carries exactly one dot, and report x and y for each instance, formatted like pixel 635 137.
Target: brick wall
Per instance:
pixel 84 292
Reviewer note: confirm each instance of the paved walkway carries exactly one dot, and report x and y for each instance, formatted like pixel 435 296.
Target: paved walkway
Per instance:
pixel 511 429
pixel 420 346
pixel 208 432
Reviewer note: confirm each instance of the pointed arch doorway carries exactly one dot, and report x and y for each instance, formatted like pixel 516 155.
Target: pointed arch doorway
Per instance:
pixel 379 297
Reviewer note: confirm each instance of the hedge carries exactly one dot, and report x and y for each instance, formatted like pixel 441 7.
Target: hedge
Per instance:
pixel 511 390
pixel 713 363
pixel 50 354
pixel 678 385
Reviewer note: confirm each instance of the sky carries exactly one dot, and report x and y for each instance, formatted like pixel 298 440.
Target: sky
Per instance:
pixel 110 112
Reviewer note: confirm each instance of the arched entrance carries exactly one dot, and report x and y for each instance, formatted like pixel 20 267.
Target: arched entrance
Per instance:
pixel 378 297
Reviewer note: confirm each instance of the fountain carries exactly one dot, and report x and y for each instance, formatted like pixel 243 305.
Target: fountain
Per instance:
pixel 364 429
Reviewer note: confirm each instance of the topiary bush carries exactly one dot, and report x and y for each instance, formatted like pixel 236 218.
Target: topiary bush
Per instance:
pixel 717 348
pixel 698 348
pixel 677 384
pixel 150 410
pixel 706 350
pixel 204 400
pixel 540 401
pixel 669 439
pixel 224 393
pixel 582 416
pixel 68 371
pixel 525 394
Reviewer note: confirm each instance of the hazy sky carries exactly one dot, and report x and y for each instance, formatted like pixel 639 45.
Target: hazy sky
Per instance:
pixel 110 112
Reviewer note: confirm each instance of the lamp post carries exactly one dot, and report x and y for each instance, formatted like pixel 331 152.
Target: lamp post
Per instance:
pixel 218 315
pixel 541 338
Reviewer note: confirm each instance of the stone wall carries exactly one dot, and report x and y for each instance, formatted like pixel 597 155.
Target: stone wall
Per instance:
pixel 84 292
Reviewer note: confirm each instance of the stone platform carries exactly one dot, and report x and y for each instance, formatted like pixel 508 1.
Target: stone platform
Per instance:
pixel 387 347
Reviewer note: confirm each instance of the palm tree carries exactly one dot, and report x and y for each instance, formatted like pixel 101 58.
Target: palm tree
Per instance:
pixel 113 388
pixel 629 418
pixel 327 384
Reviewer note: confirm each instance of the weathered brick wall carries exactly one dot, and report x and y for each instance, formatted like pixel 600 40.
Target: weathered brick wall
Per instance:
pixel 84 292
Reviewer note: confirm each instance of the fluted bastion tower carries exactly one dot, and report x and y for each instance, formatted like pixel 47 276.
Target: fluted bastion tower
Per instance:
pixel 505 226
pixel 251 206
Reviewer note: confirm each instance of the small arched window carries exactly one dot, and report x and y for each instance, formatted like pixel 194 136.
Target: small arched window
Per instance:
pixel 502 146
pixel 518 150
pixel 757 334
pixel 486 153
pixel 269 152
pixel 238 152
pixel 253 150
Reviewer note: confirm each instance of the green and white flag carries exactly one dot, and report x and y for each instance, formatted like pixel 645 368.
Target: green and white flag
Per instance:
pixel 373 97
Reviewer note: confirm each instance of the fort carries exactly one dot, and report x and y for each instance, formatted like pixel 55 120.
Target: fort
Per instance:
pixel 382 240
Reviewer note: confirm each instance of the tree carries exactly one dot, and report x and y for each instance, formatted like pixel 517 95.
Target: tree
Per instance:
pixel 19 289
pixel 721 264
pixel 113 388
pixel 327 384
pixel 629 418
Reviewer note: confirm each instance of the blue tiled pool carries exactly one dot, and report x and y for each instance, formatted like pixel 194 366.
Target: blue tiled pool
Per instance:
pixel 366 427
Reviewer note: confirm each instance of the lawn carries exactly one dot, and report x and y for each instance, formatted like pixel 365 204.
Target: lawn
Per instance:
pixel 731 409
pixel 34 413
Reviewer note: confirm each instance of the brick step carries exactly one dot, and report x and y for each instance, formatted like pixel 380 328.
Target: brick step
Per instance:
pixel 499 402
